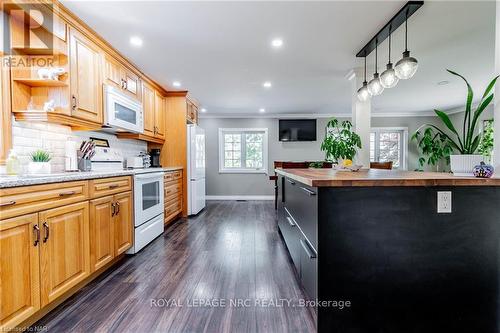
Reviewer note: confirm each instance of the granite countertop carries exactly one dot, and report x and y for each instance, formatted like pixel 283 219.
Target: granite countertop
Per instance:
pixel 375 177
pixel 25 180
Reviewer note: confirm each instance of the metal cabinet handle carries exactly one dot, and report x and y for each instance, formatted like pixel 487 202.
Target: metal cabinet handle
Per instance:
pixel 36 229
pixel 73 98
pixel 290 221
pixel 306 248
pixel 113 209
pixel 290 181
pixel 308 191
pixel 125 85
pixel 63 194
pixel 9 203
pixel 47 232
pixel 117 205
pixel 113 186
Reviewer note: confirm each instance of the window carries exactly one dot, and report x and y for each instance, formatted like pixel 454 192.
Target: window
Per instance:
pixel 243 150
pixel 389 144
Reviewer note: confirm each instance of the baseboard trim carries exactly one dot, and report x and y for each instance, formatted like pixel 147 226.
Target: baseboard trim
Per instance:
pixel 240 197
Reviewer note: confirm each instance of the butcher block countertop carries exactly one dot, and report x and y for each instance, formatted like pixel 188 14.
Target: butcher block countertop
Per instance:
pixel 374 177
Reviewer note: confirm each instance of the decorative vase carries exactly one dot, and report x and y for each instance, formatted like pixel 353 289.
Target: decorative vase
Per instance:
pixel 463 165
pixel 483 170
pixel 39 168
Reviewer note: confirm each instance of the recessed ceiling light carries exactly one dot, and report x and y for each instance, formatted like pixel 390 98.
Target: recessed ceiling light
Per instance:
pixel 176 84
pixel 136 41
pixel 442 83
pixel 203 110
pixel 267 84
pixel 277 43
pixel 262 110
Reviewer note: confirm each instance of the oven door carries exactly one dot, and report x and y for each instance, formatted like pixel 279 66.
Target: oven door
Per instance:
pixel 122 111
pixel 148 196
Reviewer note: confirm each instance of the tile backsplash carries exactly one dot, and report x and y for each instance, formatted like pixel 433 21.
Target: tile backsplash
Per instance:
pixel 29 136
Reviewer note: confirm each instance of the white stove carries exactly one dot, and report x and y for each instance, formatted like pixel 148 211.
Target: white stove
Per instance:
pixel 107 159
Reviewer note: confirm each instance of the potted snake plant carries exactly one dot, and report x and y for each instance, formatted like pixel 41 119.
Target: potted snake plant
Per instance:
pixel 464 141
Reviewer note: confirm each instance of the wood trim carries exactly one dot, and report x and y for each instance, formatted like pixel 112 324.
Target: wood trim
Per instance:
pixel 74 123
pixel 137 136
pixel 5 112
pixel 176 93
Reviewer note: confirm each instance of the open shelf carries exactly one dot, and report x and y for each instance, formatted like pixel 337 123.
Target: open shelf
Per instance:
pixel 42 82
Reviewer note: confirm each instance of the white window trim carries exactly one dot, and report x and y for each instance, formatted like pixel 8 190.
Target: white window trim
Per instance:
pixel 405 140
pixel 265 165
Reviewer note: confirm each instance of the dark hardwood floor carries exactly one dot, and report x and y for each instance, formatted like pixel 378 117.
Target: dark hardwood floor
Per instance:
pixel 230 251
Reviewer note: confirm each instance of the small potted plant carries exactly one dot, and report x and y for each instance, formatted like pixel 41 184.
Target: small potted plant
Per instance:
pixel 40 163
pixel 341 143
pixel 465 145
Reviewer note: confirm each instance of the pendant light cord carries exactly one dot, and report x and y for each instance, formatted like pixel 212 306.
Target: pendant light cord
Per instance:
pixel 365 69
pixel 376 55
pixel 390 32
pixel 406 31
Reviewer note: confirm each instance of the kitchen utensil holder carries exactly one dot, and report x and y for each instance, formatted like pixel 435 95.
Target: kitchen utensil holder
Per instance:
pixel 84 164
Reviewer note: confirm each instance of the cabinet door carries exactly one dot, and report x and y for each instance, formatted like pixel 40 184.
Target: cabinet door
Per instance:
pixel 19 272
pixel 132 84
pixel 148 104
pixel 86 88
pixel 102 240
pixel 160 115
pixel 123 222
pixel 113 73
pixel 64 256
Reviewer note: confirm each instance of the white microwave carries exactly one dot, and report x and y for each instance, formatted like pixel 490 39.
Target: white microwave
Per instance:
pixel 121 111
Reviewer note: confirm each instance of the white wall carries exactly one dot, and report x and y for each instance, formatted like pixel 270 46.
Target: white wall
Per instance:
pixel 30 136
pixel 258 184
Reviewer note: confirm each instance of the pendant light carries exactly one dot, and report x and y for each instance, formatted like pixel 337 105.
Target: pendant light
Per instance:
pixel 375 87
pixel 388 78
pixel 363 93
pixel 406 67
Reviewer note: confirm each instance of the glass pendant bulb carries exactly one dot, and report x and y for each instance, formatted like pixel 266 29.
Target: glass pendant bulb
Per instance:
pixel 406 67
pixel 363 93
pixel 375 86
pixel 388 78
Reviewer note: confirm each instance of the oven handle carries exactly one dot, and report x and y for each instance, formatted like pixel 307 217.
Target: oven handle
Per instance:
pixel 158 175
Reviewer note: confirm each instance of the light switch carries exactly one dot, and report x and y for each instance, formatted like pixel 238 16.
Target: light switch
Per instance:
pixel 444 202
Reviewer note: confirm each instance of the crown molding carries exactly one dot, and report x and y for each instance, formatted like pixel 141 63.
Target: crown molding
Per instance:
pixel 320 115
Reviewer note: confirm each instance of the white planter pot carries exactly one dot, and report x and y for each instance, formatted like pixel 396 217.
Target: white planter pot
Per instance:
pixel 463 165
pixel 39 168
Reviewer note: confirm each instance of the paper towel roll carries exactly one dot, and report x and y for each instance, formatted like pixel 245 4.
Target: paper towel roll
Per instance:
pixel 70 154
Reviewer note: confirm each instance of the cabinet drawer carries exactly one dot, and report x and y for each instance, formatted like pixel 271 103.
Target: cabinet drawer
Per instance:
pixel 173 188
pixel 29 199
pixel 308 268
pixel 291 235
pixel 172 198
pixel 302 203
pixel 173 175
pixel 175 207
pixel 108 186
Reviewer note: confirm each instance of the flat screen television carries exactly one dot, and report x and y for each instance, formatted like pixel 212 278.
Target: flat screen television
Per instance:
pixel 297 130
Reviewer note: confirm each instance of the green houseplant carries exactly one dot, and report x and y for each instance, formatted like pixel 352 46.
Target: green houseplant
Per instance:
pixel 464 145
pixel 340 141
pixel 40 162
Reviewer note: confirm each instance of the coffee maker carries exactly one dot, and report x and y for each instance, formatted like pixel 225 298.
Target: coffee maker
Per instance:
pixel 155 158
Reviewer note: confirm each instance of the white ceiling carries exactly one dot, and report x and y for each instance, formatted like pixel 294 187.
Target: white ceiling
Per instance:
pixel 220 51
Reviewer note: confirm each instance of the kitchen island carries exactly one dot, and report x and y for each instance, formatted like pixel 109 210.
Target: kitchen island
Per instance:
pixel 375 239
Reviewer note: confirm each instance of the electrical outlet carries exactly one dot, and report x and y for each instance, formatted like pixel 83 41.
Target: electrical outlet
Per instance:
pixel 444 202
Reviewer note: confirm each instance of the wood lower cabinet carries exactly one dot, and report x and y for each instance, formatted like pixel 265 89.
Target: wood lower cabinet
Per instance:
pixel 19 269
pixel 64 255
pixel 111 228
pixel 123 222
pixel 173 194
pixel 102 241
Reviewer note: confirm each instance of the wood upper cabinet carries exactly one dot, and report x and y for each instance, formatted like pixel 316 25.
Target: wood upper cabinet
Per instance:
pixel 102 246
pixel 85 85
pixel 159 115
pixel 118 76
pixel 111 228
pixel 191 112
pixel 19 272
pixel 148 105
pixel 64 255
pixel 123 222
